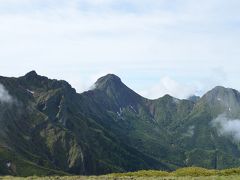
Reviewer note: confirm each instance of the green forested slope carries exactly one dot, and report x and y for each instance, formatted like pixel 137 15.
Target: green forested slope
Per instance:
pixel 48 128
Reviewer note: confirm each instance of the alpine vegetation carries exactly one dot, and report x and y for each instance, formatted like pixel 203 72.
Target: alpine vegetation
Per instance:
pixel 111 129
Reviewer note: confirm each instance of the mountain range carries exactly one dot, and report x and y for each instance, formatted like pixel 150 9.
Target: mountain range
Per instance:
pixel 48 128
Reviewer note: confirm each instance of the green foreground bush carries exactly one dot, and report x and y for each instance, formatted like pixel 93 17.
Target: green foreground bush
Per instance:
pixel 189 171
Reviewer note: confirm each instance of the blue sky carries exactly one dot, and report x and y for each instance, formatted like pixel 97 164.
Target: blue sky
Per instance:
pixel 179 47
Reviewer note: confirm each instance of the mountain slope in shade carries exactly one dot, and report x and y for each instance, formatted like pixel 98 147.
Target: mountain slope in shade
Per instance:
pixel 53 131
pixel 48 128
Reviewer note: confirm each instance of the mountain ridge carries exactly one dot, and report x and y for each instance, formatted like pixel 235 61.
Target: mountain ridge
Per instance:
pixel 110 128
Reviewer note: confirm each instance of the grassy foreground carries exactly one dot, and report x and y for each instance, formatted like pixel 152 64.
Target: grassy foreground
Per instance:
pixel 125 178
pixel 180 174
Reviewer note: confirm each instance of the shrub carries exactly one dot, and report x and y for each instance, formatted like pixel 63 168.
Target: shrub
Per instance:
pixel 194 171
pixel 143 173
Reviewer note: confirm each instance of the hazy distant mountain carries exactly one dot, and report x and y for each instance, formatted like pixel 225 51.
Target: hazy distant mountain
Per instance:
pixel 48 128
pixel 194 98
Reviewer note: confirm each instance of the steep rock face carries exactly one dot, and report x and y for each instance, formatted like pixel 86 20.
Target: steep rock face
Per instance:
pixel 118 94
pixel 223 100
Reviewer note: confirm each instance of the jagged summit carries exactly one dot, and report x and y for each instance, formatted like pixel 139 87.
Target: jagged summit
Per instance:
pixel 222 100
pixel 110 77
pixel 167 96
pixel 221 88
pixel 220 92
pixel 32 81
pixel 115 89
pixel 31 73
pixel 108 80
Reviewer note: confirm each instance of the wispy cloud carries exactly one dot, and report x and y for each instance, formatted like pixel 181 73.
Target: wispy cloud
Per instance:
pixel 5 97
pixel 171 87
pixel 227 127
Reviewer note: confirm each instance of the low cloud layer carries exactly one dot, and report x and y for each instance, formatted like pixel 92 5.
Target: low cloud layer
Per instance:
pixel 227 127
pixel 5 97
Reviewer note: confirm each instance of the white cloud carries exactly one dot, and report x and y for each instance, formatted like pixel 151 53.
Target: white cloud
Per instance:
pixel 171 87
pixel 227 127
pixel 185 38
pixel 4 95
pixel 190 131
